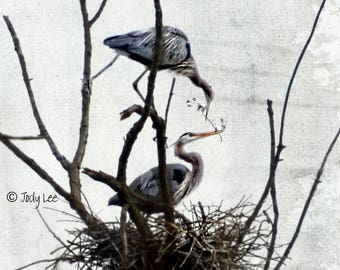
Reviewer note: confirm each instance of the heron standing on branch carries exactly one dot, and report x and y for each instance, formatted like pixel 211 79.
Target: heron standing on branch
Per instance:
pixel 181 181
pixel 176 55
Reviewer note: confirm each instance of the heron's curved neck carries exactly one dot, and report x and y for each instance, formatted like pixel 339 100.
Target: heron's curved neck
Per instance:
pixel 195 160
pixel 197 80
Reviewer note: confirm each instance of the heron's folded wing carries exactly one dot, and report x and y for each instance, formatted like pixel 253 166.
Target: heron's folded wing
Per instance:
pixel 146 184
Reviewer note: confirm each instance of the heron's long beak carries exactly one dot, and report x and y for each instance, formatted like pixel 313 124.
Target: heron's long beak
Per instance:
pixel 207 134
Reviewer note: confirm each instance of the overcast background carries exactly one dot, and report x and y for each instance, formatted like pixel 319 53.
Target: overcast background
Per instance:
pixel 245 49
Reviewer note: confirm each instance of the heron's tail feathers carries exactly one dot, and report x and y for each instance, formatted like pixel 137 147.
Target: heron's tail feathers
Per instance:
pixel 114 200
pixel 119 41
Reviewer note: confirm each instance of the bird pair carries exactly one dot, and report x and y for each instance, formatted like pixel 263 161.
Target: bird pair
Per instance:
pixel 176 56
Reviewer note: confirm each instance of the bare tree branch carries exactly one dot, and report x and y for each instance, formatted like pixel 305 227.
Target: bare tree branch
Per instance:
pixel 159 125
pixel 169 101
pixel 22 138
pixel 272 171
pixel 309 199
pixel 105 68
pixel 125 248
pixel 127 194
pixel 98 13
pixel 58 259
pixel 74 198
pixel 34 166
pixel 138 126
pixel 136 109
pixel 86 99
pixel 43 131
pixel 53 233
pixel 105 178
pixel 280 146
pixel 86 90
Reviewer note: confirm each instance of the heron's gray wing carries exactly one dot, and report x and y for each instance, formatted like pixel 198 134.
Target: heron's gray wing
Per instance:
pixel 136 45
pixel 146 184
pixel 176 46
pixel 139 46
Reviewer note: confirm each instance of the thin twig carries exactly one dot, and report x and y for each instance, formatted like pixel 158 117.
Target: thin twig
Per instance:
pixel 42 261
pixel 169 101
pixel 281 146
pixel 77 218
pixel 125 248
pixel 42 128
pixel 309 199
pixel 272 171
pixel 87 203
pixel 23 138
pixel 121 188
pixel 57 237
pixel 34 166
pixel 53 233
pixel 105 68
pixel 98 13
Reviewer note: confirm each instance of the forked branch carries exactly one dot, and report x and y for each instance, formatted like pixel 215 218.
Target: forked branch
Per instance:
pixel 98 13
pixel 280 146
pixel 43 131
pixel 308 201
pixel 34 166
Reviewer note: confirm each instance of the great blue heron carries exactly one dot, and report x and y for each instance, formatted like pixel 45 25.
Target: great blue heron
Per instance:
pixel 176 55
pixel 181 180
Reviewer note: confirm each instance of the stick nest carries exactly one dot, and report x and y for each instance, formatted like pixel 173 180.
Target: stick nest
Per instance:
pixel 209 239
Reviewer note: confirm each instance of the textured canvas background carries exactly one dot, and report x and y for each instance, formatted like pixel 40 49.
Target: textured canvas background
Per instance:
pixel 245 49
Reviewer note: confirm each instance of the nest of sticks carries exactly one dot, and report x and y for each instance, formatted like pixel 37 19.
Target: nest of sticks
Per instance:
pixel 207 237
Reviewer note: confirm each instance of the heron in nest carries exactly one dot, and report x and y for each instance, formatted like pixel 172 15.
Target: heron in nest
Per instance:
pixel 181 180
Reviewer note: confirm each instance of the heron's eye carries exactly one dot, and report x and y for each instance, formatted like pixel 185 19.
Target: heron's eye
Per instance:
pixel 190 134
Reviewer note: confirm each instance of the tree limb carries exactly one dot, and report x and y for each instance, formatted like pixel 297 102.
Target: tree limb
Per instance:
pixel 43 131
pixel 117 186
pixel 132 135
pixel 105 68
pixel 272 172
pixel 22 138
pixel 74 197
pixel 309 199
pixel 98 13
pixel 169 101
pixel 86 90
pixel 280 146
pixel 34 166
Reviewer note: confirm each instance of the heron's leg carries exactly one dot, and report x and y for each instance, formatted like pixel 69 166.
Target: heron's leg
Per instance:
pixel 105 68
pixel 135 84
pixel 125 249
